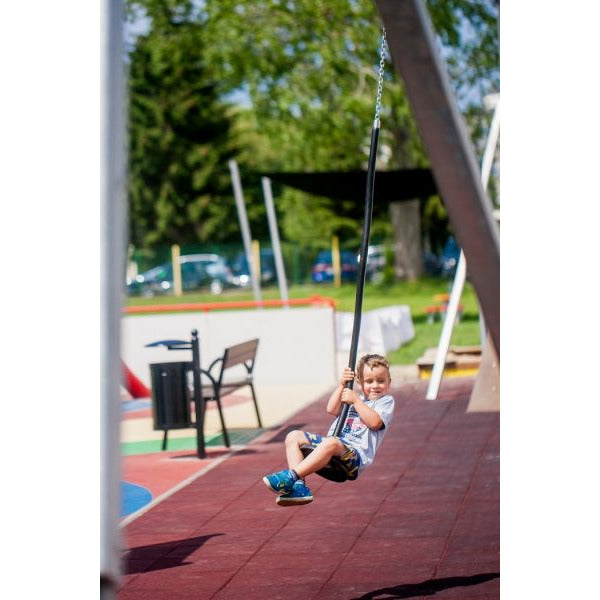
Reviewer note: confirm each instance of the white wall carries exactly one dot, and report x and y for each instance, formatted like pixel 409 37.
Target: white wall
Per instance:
pixel 297 345
pixel 381 330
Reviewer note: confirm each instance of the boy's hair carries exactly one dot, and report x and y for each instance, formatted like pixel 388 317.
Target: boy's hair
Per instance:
pixel 371 360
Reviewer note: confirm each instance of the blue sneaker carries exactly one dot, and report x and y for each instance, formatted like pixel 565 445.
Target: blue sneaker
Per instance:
pixel 300 494
pixel 281 482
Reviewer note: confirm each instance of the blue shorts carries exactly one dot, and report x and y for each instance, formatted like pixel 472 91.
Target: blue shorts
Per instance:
pixel 350 459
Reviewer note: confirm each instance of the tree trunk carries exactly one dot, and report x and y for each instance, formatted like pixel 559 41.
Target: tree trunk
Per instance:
pixel 408 254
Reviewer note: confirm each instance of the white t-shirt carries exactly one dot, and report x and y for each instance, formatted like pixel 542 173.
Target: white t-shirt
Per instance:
pixel 358 436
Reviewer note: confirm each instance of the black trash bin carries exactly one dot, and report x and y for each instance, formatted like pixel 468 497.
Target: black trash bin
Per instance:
pixel 174 386
pixel 170 395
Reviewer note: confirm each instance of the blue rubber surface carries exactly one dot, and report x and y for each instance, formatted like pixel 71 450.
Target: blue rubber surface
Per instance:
pixel 133 497
pixel 130 405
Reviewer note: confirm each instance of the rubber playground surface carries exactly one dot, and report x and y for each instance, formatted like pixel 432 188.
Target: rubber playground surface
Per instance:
pixel 422 522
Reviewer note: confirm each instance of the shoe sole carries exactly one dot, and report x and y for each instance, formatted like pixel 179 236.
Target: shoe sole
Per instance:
pixel 281 501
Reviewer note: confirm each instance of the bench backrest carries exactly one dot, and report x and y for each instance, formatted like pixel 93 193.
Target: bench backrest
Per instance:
pixel 243 353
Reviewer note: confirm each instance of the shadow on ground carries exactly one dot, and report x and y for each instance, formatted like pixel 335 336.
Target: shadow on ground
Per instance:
pixel 162 556
pixel 427 588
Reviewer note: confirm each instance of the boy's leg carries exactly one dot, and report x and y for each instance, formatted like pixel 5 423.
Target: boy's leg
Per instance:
pixel 294 491
pixel 293 441
pixel 282 482
pixel 320 456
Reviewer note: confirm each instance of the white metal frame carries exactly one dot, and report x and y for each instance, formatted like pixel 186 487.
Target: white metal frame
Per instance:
pixel 245 227
pixel 275 243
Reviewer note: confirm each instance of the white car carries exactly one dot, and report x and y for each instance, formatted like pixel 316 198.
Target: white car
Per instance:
pixel 375 262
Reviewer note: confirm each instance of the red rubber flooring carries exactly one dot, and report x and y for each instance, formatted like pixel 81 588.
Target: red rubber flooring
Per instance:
pixel 422 522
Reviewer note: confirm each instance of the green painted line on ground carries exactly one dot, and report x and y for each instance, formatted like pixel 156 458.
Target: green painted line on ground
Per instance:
pixel 236 436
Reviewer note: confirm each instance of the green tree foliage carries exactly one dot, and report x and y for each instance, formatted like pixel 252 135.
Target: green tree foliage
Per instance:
pixel 307 70
pixel 180 135
pixel 310 70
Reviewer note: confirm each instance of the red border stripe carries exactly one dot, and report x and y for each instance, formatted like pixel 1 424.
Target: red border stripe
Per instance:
pixel 208 306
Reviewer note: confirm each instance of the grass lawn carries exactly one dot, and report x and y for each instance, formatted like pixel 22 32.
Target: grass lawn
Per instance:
pixel 416 294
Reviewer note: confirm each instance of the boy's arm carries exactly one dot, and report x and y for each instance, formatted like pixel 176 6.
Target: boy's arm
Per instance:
pixel 335 400
pixel 369 416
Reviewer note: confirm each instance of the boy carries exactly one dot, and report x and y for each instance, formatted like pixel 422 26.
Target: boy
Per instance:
pixel 369 418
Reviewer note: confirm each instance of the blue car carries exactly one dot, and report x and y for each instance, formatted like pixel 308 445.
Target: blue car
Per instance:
pixel 322 269
pixel 449 258
pixel 241 270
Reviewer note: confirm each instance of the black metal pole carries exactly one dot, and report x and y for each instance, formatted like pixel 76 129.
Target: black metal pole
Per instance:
pixel 198 398
pixel 362 267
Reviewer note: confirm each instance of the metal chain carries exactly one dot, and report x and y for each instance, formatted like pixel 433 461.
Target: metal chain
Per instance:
pixel 380 82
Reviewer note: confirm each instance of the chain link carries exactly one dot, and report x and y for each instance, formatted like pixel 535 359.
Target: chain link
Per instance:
pixel 381 67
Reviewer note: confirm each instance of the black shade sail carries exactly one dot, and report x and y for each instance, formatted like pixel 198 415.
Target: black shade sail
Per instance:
pixel 348 187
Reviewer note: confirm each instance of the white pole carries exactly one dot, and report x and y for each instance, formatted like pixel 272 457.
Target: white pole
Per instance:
pixel 444 343
pixel 112 276
pixel 268 194
pixel 245 227
pixel 461 274
pixel 490 147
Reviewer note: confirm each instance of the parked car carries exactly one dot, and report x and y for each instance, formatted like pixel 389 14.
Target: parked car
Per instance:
pixel 198 271
pixel 241 271
pixel 322 269
pixel 449 258
pixel 375 262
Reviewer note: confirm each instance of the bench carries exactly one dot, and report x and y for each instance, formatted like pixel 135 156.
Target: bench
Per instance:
pixel 438 309
pixel 221 382
pixel 220 385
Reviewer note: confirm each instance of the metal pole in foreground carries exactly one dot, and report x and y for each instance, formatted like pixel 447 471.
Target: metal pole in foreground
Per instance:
pixel 362 268
pixel 243 218
pixel 112 276
pixel 283 291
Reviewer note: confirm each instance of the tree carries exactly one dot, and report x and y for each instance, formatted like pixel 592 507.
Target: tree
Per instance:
pixel 180 134
pixel 310 72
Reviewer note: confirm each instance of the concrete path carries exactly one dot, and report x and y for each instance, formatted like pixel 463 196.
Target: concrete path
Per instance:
pixel 422 522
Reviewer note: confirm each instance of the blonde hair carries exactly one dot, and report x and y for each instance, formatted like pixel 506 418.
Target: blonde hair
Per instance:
pixel 371 360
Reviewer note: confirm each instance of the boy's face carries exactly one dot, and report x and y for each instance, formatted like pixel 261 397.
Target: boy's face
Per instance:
pixel 375 382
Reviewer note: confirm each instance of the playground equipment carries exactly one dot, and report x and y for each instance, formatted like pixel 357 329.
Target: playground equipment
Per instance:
pixel 454 308
pixel 335 469
pixel 113 249
pixel 245 227
pixel 413 47
pixel 251 253
pixel 133 384
pixel 412 44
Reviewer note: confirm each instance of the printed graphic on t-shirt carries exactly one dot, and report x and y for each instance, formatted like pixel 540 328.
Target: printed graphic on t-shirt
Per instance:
pixel 354 424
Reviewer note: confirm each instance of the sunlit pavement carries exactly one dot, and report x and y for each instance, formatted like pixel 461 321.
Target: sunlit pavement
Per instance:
pixel 423 521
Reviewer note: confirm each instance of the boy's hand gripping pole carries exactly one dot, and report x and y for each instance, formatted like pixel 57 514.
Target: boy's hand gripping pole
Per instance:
pixel 362 268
